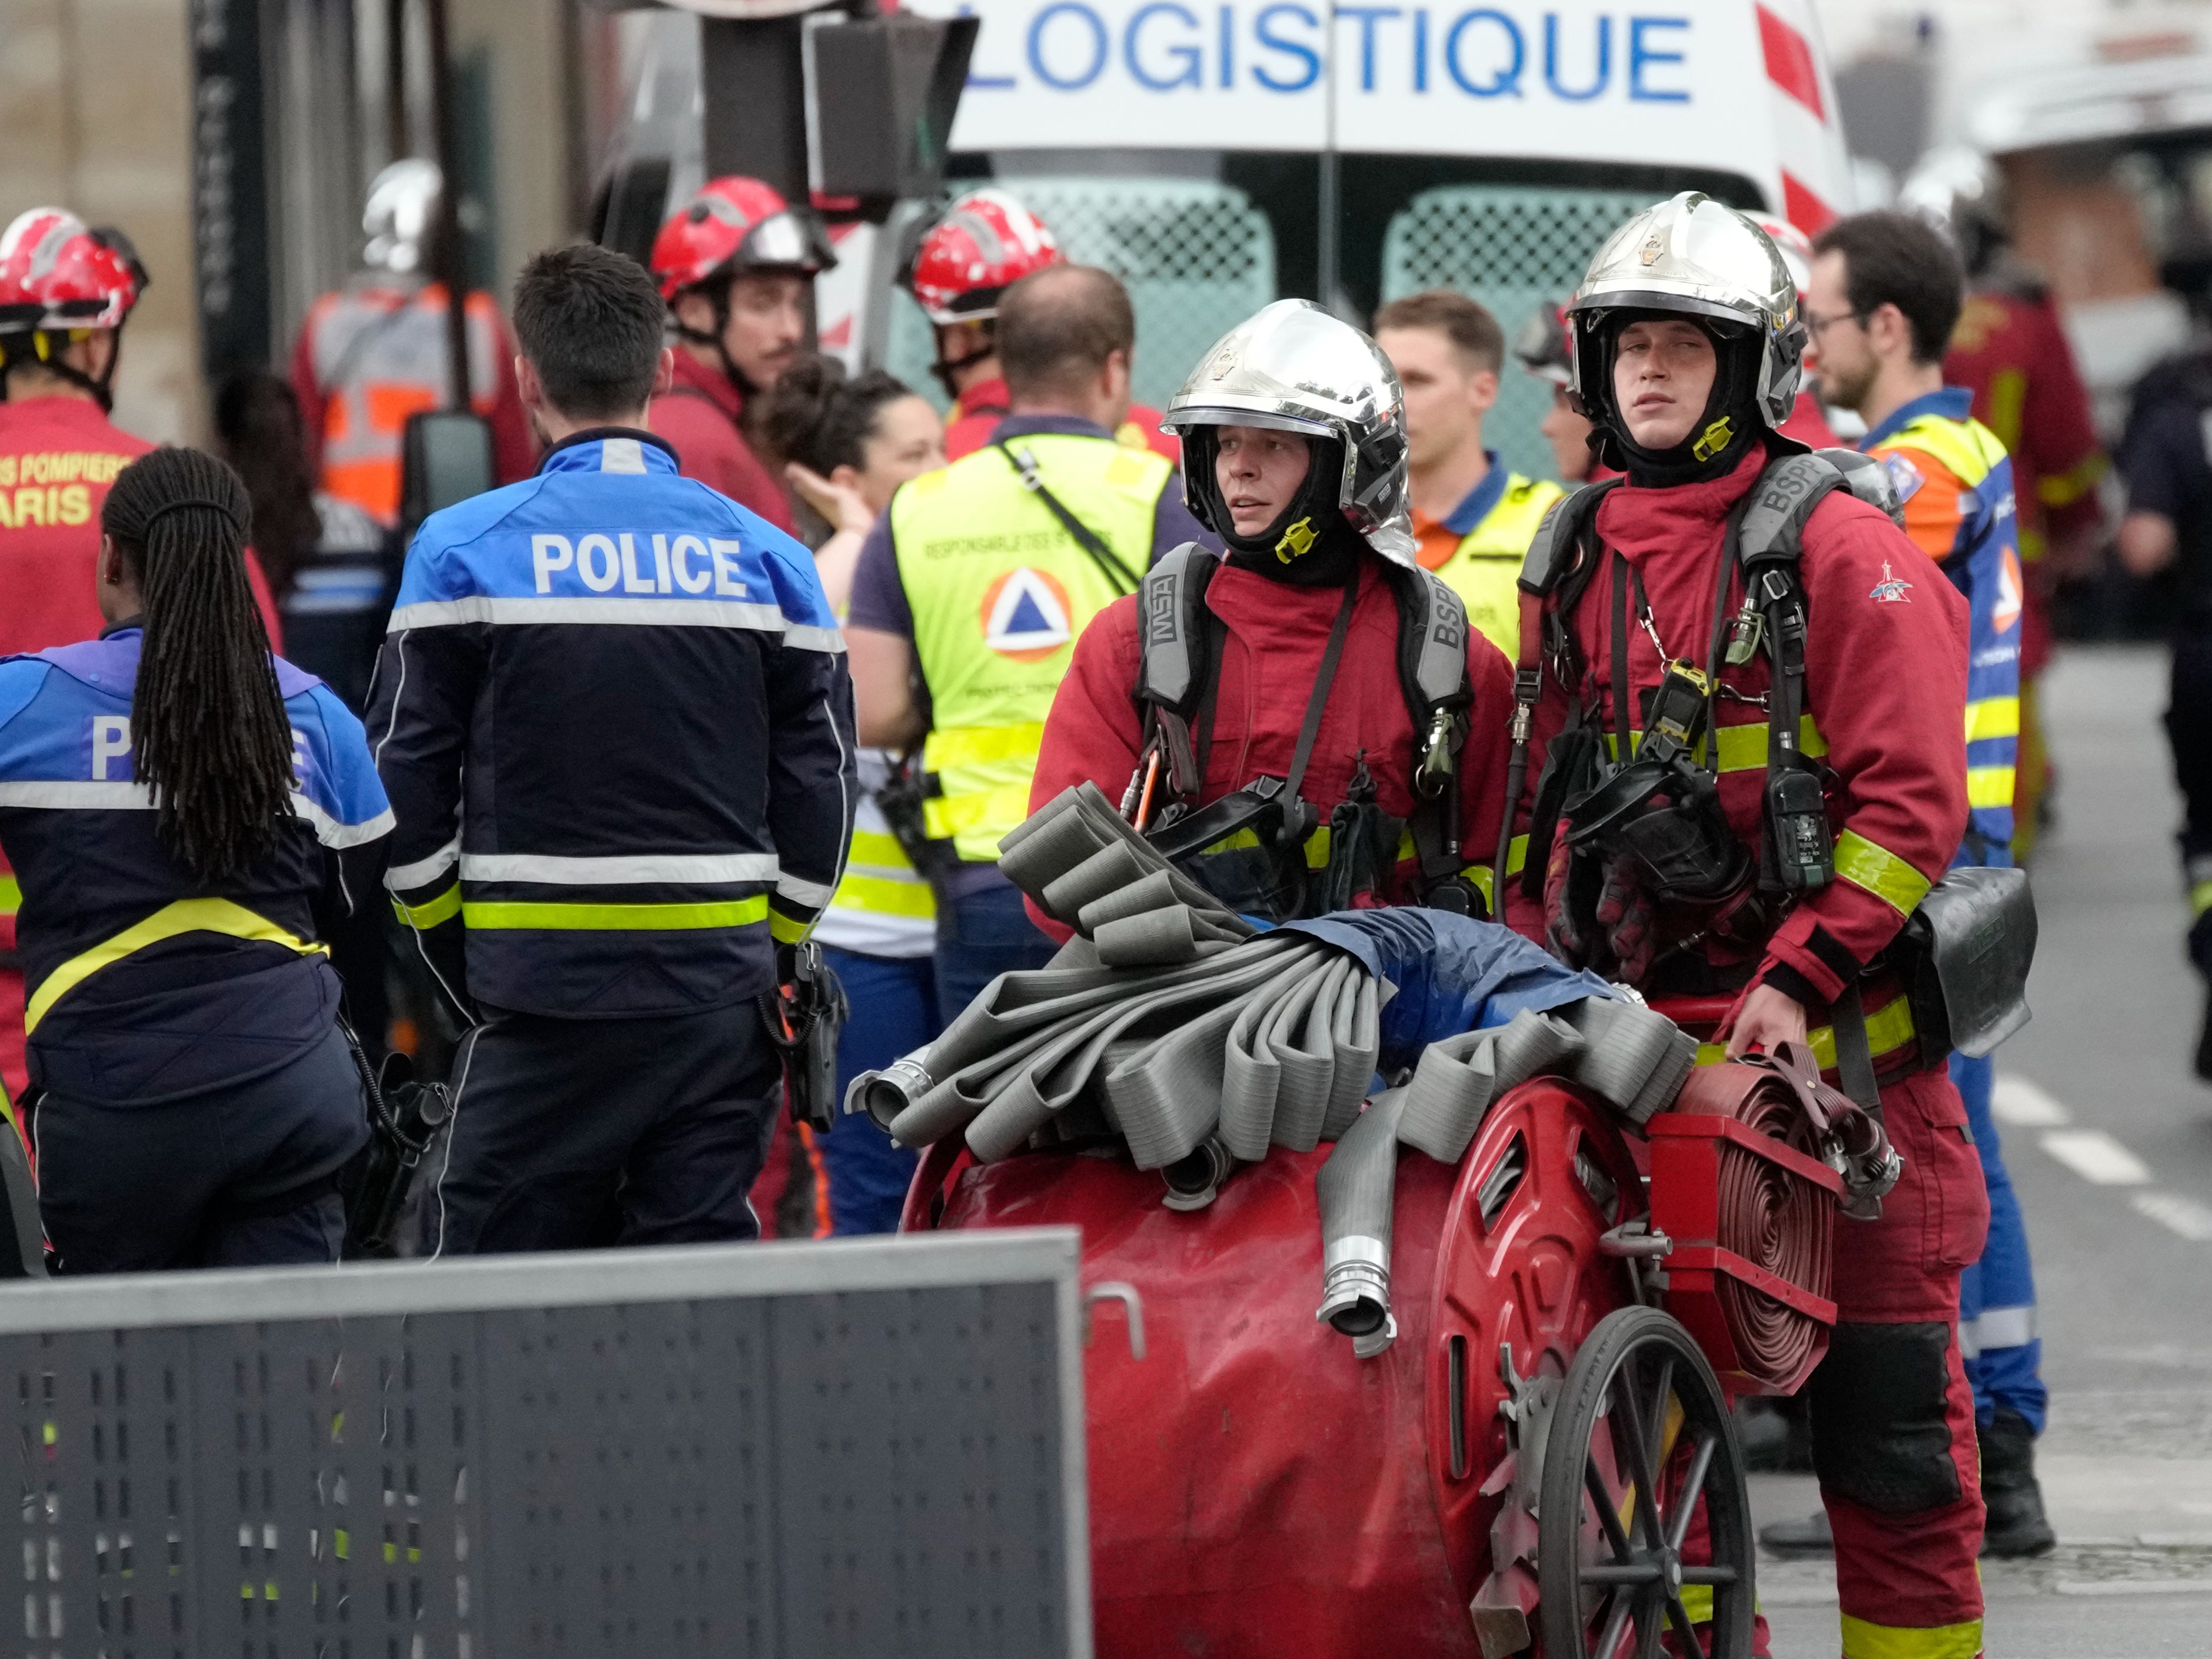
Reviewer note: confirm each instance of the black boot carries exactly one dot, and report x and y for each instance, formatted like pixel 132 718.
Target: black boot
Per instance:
pixel 1776 1437
pixel 1792 1539
pixel 2204 1040
pixel 2016 1527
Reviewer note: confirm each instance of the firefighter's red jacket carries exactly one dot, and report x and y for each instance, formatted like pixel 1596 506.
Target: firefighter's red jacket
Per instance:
pixel 1885 690
pixel 1276 635
pixel 702 418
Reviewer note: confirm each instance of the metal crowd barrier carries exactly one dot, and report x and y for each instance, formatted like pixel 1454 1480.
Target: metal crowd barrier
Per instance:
pixel 860 1448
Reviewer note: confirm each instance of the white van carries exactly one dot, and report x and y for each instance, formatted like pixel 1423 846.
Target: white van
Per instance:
pixel 1187 145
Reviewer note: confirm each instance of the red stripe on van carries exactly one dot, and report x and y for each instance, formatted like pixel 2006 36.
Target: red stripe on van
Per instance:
pixel 1790 62
pixel 1801 208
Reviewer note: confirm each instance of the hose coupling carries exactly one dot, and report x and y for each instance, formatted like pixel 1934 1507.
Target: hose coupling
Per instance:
pixel 883 1095
pixel 1355 1293
pixel 1195 1181
pixel 1869 1165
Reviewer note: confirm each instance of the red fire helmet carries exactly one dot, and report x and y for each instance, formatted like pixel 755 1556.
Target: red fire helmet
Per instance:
pixel 56 273
pixel 1796 246
pixel 984 242
pixel 734 225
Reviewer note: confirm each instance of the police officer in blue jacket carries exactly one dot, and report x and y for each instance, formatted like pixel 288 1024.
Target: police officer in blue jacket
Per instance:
pixel 613 715
pixel 188 816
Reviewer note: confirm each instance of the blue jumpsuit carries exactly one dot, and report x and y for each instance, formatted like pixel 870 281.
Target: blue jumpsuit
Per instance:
pixel 198 1097
pixel 1997 1295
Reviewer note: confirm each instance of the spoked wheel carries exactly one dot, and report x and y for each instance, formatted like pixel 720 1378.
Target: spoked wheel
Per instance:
pixel 1641 1433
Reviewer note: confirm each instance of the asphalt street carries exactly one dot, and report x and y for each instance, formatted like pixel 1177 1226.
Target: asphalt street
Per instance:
pixel 2108 1137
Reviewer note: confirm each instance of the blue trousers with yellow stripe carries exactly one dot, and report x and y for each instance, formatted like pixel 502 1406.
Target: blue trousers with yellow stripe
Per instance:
pixel 1997 1325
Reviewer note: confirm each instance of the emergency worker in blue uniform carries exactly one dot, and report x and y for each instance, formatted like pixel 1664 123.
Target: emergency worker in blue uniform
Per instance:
pixel 188 816
pixel 613 715
pixel 1886 291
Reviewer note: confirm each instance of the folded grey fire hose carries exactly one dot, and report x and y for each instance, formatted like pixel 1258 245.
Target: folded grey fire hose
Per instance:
pixel 1174 1025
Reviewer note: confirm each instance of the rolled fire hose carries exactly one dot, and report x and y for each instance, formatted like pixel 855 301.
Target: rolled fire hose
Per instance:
pixel 1771 1218
pixel 1172 1024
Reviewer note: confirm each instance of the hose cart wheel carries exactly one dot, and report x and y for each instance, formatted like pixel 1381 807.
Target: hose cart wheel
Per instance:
pixel 1640 1434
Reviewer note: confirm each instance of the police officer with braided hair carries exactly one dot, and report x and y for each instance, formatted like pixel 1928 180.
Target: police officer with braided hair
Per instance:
pixel 189 816
pixel 1737 795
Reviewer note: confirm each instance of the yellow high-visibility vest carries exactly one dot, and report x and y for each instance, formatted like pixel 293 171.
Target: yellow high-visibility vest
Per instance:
pixel 999 592
pixel 1485 566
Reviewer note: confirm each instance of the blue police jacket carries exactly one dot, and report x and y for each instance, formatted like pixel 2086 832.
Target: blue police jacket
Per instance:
pixel 142 983
pixel 1984 564
pixel 614 719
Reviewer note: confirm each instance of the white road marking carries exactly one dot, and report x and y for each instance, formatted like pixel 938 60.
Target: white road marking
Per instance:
pixel 2133 1587
pixel 2096 1156
pixel 2185 1216
pixel 2019 1104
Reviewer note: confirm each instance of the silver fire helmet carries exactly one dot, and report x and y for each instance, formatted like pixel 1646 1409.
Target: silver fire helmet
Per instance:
pixel 1696 258
pixel 1292 367
pixel 401 214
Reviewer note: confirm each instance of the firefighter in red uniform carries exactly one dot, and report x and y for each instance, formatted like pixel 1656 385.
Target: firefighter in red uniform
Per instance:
pixel 64 292
pixel 1747 894
pixel 1305 740
pixel 2011 350
pixel 375 352
pixel 983 245
pixel 737 265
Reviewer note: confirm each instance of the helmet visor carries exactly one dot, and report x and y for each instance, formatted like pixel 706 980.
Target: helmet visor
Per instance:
pixel 794 240
pixel 1231 414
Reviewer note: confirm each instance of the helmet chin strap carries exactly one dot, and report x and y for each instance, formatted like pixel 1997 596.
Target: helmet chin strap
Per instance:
pixel 947 370
pixel 99 388
pixel 720 299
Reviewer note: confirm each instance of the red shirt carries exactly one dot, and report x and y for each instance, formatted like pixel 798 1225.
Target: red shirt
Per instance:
pixel 701 419
pixel 1276 635
pixel 985 402
pixel 1885 684
pixel 2010 349
pixel 58 456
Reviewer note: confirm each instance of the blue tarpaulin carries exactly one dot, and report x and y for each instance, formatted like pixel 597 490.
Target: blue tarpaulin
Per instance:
pixel 1453 974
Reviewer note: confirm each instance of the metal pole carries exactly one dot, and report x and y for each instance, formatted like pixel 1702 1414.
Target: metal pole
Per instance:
pixel 1326 255
pixel 396 142
pixel 451 268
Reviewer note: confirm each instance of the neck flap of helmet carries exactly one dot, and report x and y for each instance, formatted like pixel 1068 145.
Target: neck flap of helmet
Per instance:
pixel 1725 431
pixel 1307 544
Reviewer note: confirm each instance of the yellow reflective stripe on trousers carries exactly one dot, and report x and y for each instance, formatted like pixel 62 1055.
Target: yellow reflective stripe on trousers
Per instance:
pixel 1992 717
pixel 444 907
pixel 1990 787
pixel 1743 747
pixel 1881 871
pixel 1865 1641
pixel 884 896
pixel 2200 898
pixel 1889 1027
pixel 980 745
pixel 202 915
pixel 616 917
pixel 11 895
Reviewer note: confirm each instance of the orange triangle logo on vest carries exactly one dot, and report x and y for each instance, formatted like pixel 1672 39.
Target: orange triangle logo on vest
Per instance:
pixel 1025 615
pixel 2011 595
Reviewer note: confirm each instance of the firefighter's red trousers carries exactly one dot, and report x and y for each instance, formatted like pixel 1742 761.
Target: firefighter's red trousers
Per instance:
pixel 1892 1417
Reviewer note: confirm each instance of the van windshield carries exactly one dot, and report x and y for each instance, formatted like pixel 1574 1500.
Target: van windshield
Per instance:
pixel 1205 238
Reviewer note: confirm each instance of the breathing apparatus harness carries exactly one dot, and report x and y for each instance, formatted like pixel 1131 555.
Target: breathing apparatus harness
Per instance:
pixel 1657 804
pixel 1178 676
